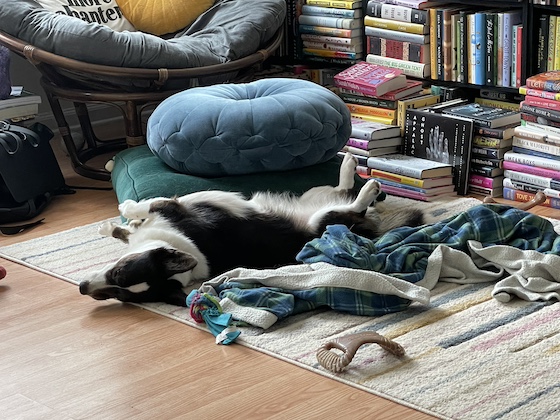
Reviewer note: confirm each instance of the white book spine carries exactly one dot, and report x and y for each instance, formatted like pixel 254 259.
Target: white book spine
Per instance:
pixel 539 181
pixel 330 22
pixel 536 145
pixel 330 39
pixel 409 68
pixel 331 11
pixel 532 160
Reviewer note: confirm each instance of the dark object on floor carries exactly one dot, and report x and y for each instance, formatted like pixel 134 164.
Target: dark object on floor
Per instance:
pixel 29 171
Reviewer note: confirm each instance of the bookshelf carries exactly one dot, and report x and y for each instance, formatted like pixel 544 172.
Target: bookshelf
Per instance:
pixel 531 13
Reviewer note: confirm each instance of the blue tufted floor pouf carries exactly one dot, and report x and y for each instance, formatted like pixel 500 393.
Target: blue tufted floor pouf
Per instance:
pixel 233 129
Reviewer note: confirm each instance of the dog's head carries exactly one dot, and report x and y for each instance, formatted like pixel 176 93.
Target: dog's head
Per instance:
pixel 149 276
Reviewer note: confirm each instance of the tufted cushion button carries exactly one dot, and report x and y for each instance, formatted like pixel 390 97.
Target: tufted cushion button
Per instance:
pixel 233 129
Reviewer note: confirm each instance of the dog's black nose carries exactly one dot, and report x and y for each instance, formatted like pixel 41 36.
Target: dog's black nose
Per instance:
pixel 84 287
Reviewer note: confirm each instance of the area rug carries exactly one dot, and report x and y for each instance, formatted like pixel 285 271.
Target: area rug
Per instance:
pixel 467 355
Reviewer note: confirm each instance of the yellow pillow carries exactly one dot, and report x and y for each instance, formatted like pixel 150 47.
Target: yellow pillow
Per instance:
pixel 161 17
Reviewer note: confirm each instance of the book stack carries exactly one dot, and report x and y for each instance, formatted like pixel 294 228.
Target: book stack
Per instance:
pixel 380 94
pixel 410 177
pixel 331 31
pixel 370 138
pixel 534 162
pixel 533 165
pixel 397 35
pixel 493 137
pixel 20 105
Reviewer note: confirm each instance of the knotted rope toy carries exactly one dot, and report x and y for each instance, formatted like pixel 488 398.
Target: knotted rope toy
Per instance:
pixel 205 308
pixel 349 345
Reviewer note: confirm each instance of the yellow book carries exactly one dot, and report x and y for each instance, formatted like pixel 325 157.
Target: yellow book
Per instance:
pixel 433 44
pixel 414 103
pixel 407 180
pixel 557 46
pixel 372 110
pixel 396 25
pixel 497 104
pixel 336 4
pixel 381 120
pixel 551 42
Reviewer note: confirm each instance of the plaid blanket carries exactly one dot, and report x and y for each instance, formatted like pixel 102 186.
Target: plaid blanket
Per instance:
pixel 401 254
pixel 404 252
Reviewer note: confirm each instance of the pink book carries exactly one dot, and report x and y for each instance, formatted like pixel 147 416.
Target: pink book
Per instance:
pixel 370 79
pixel 542 102
pixel 484 181
pixel 533 170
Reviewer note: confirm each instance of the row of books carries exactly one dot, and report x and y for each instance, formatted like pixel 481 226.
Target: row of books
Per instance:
pixel 20 105
pixel 331 32
pixel 534 162
pixel 548 43
pixel 398 36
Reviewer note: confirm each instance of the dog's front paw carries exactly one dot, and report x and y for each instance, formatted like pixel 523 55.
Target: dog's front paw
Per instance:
pixel 106 228
pixel 128 209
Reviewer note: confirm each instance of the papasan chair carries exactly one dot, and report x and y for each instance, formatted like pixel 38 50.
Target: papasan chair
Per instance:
pixel 87 62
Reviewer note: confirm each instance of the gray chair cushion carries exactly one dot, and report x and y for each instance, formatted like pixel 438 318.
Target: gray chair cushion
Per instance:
pixel 232 129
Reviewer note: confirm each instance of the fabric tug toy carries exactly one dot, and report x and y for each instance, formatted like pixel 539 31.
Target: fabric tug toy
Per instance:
pixel 205 308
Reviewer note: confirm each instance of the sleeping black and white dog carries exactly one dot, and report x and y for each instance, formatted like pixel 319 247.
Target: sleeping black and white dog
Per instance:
pixel 177 242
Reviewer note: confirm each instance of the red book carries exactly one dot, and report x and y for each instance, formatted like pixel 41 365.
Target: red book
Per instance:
pixel 542 102
pixel 370 79
pixel 412 86
pixel 520 53
pixel 549 81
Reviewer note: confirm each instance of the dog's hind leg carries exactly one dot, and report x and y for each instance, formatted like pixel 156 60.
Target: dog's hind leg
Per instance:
pixel 342 213
pixel 116 231
pixel 347 172
pixel 138 210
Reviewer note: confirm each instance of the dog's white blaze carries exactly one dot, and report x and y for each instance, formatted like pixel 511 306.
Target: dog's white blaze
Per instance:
pixel 138 288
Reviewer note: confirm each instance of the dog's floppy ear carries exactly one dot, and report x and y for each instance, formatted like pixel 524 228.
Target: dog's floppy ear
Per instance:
pixel 175 261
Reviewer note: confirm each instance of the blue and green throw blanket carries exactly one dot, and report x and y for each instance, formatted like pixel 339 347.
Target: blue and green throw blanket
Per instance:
pixel 353 274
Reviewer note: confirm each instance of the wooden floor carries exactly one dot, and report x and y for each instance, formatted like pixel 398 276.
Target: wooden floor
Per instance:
pixel 66 356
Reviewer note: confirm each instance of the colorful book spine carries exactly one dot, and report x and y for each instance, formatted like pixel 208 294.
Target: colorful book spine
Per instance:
pixel 471 48
pixel 516 81
pixel 418 53
pixel 332 53
pixel 395 12
pixel 373 118
pixel 396 35
pixel 510 19
pixel 531 160
pixel 533 170
pixel 523 197
pixel 524 90
pixel 401 179
pixel 331 22
pixel 332 47
pixel 536 145
pixel 395 25
pixel 556 58
pixel 536 153
pixel 433 43
pixel 542 102
pixel 409 68
pixel 370 110
pixel 336 3
pixel 548 113
pixel 550 47
pixel 489 56
pixel 325 30
pixel 403 192
pixel 500 48
pixel 480 48
pixel 368 100
pixel 331 11
pixel 331 39
pixel 486 182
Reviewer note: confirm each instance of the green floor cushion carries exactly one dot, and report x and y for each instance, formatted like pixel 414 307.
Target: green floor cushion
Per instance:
pixel 138 174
